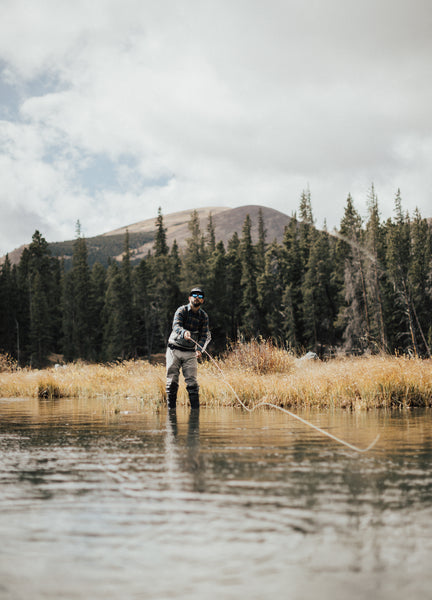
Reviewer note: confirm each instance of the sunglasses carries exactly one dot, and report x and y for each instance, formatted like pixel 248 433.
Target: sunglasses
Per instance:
pixel 195 295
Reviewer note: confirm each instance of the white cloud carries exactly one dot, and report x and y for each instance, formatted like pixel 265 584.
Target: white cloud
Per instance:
pixel 211 103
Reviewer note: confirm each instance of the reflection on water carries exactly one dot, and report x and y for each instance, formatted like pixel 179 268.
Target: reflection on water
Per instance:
pixel 211 503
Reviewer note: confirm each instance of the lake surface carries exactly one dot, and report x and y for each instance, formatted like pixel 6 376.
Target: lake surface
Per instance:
pixel 96 504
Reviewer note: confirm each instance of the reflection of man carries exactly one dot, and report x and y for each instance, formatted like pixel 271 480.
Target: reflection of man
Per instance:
pixel 190 325
pixel 185 457
pixel 192 432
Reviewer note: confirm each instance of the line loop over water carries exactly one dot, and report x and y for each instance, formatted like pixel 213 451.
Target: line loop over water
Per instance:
pixel 288 412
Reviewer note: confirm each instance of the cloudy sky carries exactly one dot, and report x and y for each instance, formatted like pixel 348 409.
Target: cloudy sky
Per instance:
pixel 112 108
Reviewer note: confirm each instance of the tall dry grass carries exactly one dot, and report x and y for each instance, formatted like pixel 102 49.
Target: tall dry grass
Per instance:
pixel 256 371
pixel 132 379
pixel 355 383
pixel 7 363
pixel 259 357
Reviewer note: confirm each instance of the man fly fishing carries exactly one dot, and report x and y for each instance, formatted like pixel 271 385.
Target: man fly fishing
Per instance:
pixel 189 337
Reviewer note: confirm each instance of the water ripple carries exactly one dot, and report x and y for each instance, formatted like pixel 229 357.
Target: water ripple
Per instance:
pixel 224 505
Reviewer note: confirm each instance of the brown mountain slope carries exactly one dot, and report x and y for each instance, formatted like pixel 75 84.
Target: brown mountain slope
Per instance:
pixel 225 220
pixel 274 222
pixel 172 221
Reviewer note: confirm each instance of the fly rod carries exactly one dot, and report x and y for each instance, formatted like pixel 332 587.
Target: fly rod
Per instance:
pixel 284 410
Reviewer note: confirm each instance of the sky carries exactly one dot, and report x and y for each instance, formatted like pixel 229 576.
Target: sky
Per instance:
pixel 110 109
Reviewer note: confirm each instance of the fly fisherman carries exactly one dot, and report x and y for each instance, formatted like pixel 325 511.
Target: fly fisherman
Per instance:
pixel 190 325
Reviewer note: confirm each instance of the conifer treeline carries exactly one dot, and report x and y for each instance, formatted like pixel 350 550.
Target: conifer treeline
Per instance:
pixel 365 288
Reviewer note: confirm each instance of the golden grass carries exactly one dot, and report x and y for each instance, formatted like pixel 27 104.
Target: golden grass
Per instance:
pixel 355 383
pixel 132 379
pixel 258 356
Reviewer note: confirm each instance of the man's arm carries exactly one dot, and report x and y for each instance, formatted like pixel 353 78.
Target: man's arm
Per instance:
pixel 178 323
pixel 205 335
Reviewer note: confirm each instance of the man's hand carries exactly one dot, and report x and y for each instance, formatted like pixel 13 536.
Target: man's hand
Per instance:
pixel 198 354
pixel 187 335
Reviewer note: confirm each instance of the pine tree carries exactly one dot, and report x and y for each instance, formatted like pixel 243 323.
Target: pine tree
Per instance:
pixel 216 303
pixel 318 296
pixel 175 260
pixel 9 325
pixel 40 338
pixel 164 292
pixel 289 324
pixel 127 317
pixel 270 284
pixel 80 301
pixel 420 276
pixel 68 312
pixel 349 237
pixel 261 244
pixel 145 309
pixel 211 236
pixel 55 305
pixel 165 296
pixel 97 300
pixel 23 308
pixel 41 289
pixel 375 245
pixel 233 286
pixel 398 258
pixel 306 226
pixel 113 334
pixel 249 301
pixel 293 270
pixel 353 318
pixel 193 264
pixel 160 245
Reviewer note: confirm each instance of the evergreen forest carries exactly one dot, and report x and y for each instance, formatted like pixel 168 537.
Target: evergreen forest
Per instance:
pixel 365 288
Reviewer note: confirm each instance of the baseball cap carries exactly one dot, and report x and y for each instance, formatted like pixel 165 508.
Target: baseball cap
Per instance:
pixel 196 290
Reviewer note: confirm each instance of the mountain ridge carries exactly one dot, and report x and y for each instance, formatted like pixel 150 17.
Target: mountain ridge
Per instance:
pixel 226 221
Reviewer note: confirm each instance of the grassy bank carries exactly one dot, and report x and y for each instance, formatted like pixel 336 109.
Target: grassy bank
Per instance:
pixel 255 371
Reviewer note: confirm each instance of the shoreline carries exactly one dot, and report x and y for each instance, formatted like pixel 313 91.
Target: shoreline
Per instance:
pixel 359 383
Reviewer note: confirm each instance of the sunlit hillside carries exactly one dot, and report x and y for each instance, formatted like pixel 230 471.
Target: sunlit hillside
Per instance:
pixel 226 221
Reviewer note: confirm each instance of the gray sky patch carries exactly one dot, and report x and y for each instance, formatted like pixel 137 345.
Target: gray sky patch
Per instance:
pixel 108 114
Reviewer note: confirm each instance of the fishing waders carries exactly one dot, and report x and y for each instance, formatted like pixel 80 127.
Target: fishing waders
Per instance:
pixel 171 392
pixel 193 392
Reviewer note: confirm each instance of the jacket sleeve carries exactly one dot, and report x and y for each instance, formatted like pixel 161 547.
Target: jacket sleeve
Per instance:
pixel 178 322
pixel 205 335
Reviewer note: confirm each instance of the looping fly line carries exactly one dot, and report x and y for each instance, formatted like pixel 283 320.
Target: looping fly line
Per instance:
pixel 288 412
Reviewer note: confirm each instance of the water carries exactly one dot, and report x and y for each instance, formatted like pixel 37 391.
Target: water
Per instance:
pixel 103 505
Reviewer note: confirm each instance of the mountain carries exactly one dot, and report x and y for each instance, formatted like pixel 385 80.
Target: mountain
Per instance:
pixel 225 221
pixel 141 235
